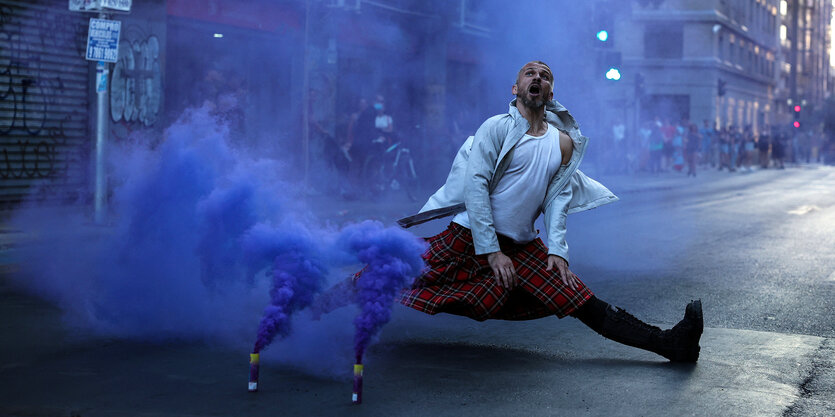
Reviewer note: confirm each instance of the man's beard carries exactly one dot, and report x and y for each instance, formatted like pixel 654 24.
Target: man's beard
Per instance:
pixel 531 103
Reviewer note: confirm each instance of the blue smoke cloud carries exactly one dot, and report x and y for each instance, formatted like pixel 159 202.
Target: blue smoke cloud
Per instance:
pixel 392 259
pixel 202 237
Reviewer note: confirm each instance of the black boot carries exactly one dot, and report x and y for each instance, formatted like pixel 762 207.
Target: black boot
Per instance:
pixel 679 344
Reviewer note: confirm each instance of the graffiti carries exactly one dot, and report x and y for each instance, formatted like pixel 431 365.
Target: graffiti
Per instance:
pixel 39 104
pixel 136 84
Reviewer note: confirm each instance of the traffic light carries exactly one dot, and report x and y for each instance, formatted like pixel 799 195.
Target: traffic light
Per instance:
pixel 603 25
pixel 608 64
pixel 796 123
pixel 603 35
pixel 720 88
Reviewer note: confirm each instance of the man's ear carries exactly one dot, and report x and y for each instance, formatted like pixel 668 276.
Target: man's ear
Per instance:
pixel 514 90
pixel 551 96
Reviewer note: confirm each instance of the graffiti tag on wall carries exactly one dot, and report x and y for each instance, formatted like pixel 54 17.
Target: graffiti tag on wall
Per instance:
pixel 136 84
pixel 41 106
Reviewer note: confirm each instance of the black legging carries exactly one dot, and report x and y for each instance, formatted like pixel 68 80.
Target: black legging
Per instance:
pixel 592 313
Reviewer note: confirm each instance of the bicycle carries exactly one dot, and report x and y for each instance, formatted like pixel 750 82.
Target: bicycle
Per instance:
pixel 392 169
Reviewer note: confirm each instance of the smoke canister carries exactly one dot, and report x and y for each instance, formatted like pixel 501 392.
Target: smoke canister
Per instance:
pixel 356 398
pixel 254 359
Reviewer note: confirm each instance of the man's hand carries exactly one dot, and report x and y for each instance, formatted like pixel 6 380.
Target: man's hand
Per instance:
pixel 503 269
pixel 566 276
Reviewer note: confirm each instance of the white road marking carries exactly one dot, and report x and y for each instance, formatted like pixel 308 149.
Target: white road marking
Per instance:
pixel 804 210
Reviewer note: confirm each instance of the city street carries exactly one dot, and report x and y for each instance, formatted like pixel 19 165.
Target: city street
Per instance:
pixel 757 248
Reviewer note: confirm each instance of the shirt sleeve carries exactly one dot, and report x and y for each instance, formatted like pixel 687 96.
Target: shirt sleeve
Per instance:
pixel 480 169
pixel 556 214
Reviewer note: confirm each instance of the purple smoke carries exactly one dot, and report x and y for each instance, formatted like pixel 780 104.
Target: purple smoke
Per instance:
pixel 393 259
pixel 178 259
pixel 297 277
pixel 194 224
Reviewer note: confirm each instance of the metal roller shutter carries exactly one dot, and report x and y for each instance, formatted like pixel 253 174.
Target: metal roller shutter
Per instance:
pixel 44 96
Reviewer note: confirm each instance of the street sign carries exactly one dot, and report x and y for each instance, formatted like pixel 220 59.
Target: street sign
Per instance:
pixel 99 5
pixel 103 40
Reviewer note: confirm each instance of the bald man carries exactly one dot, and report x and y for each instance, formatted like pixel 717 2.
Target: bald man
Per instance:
pixel 490 263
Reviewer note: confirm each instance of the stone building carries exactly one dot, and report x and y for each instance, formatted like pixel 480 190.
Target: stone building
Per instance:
pixel 803 75
pixel 709 60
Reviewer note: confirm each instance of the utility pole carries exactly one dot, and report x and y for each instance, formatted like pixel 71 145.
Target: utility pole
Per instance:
pixel 102 48
pixel 306 95
pixel 102 97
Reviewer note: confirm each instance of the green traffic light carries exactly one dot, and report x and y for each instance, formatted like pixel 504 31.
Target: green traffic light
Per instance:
pixel 603 36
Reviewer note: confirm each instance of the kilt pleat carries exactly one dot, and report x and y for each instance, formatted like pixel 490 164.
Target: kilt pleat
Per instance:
pixel 459 282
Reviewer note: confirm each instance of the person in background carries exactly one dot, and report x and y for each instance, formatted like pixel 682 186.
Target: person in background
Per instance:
pixel 747 148
pixel 691 149
pixel 383 122
pixel 778 150
pixel 763 146
pixel 669 131
pixel 656 146
pixel 735 141
pixel 644 135
pixel 708 144
pixel 678 144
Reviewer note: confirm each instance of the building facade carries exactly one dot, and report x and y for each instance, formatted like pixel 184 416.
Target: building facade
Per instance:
pixel 803 76
pixel 256 61
pixel 704 59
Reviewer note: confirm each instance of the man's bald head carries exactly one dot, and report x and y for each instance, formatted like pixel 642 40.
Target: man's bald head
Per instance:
pixel 534 64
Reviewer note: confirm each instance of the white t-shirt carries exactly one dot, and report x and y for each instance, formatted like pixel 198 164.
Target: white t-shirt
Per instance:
pixel 521 190
pixel 382 122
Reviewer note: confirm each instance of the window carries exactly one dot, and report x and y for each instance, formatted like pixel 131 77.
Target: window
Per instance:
pixel 664 41
pixel 784 7
pixel 783 32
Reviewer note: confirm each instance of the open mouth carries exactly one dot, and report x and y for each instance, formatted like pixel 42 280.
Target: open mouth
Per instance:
pixel 534 90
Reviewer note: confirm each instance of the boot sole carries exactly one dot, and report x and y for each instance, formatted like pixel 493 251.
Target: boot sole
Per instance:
pixel 686 355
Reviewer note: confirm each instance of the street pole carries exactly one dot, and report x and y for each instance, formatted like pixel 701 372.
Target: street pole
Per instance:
pixel 102 97
pixel 306 96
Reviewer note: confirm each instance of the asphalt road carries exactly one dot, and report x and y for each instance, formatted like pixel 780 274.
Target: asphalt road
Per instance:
pixel 757 248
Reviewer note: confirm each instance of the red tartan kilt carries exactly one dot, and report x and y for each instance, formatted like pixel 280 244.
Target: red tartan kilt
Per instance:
pixel 459 282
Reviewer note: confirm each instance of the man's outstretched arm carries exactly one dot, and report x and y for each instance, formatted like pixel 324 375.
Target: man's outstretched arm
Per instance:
pixel 556 214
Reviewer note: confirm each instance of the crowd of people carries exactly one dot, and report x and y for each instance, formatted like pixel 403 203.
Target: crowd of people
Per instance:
pixel 666 146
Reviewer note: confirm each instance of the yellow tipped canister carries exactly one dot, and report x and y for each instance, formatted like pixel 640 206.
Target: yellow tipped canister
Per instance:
pixel 254 358
pixel 356 398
